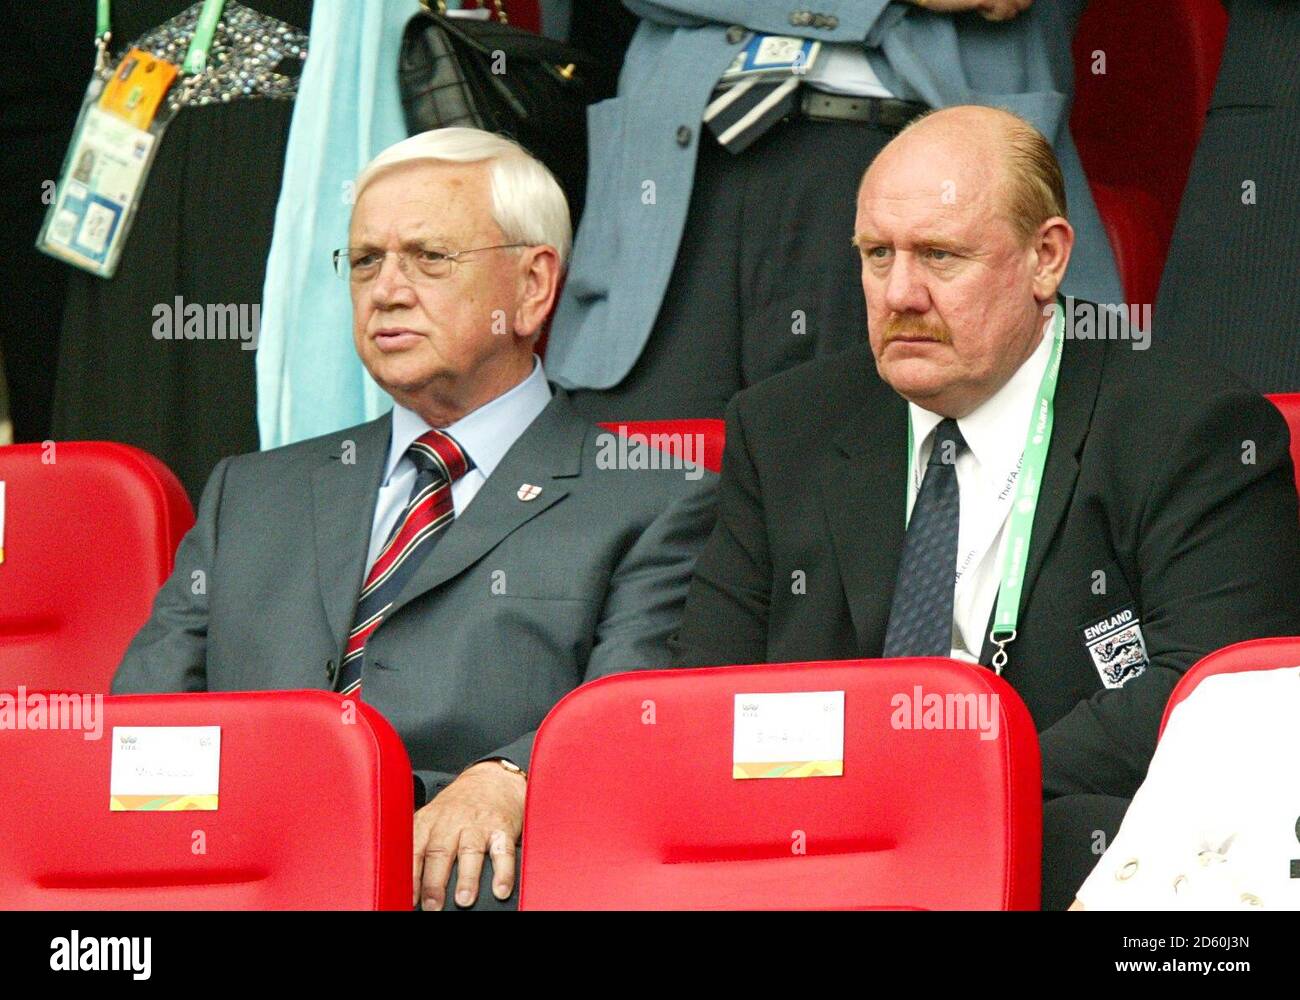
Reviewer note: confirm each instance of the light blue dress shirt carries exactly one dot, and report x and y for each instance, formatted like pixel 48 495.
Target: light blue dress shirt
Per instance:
pixel 485 434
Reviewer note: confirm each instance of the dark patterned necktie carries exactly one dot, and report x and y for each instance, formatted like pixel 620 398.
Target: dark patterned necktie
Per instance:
pixel 439 462
pixel 920 620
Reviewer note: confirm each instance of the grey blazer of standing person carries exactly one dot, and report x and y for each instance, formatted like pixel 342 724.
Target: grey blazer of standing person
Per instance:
pixel 521 599
pixel 626 247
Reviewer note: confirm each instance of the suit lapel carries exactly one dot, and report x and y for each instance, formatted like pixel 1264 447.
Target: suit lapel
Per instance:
pixel 548 452
pixel 343 502
pixel 862 476
pixel 1076 395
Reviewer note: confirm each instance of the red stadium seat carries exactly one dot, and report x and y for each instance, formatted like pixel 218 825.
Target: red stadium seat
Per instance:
pixel 1289 404
pixel 1137 124
pixel 669 435
pixel 1254 654
pixel 314 813
pixel 632 803
pixel 1129 215
pixel 90 532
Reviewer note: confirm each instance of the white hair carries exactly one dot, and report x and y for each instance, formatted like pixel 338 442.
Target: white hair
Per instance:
pixel 528 204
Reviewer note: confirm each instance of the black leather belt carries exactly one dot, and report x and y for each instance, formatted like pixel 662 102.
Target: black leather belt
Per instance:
pixel 883 112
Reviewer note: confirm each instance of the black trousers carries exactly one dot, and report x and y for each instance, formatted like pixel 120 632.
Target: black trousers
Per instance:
pixel 766 275
pixel 1077 829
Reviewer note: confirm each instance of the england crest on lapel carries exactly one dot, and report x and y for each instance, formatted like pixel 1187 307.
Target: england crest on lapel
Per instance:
pixel 528 492
pixel 1117 648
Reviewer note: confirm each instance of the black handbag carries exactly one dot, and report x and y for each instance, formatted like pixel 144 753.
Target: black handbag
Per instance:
pixel 488 74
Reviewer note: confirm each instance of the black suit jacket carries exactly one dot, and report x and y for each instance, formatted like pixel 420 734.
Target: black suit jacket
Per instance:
pixel 1173 481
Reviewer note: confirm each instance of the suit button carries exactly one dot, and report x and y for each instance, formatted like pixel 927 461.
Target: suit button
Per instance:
pixel 735 35
pixel 683 135
pixel 801 18
pixel 330 671
pixel 829 21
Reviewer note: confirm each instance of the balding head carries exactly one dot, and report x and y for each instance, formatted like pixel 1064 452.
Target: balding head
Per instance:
pixel 1013 152
pixel 964 243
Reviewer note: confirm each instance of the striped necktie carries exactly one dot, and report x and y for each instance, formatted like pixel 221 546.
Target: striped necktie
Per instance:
pixel 439 462
pixel 739 116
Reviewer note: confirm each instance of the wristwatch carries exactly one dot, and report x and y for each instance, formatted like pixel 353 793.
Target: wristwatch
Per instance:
pixel 512 767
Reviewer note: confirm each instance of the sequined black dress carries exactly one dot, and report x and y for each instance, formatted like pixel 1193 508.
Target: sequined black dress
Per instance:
pixel 201 236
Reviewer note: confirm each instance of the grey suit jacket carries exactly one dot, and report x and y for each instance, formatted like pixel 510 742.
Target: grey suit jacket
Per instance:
pixel 518 603
pixel 625 248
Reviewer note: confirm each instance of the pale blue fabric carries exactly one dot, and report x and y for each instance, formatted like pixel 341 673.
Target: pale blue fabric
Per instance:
pixel 309 380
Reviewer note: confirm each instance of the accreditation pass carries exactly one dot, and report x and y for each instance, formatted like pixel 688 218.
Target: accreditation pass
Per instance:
pixel 103 179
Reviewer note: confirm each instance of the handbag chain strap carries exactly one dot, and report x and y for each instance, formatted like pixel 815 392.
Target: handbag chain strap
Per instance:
pixel 498 6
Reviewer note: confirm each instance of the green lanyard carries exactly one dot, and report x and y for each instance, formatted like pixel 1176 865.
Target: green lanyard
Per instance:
pixel 196 59
pixel 1020 522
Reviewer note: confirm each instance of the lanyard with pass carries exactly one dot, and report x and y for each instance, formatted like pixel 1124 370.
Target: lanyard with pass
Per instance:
pixel 123 117
pixel 1020 520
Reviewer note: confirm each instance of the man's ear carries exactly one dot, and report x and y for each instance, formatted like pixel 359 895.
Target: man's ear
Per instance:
pixel 539 278
pixel 1052 244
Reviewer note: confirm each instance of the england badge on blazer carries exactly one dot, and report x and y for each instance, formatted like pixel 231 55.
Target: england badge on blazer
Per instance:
pixel 1117 648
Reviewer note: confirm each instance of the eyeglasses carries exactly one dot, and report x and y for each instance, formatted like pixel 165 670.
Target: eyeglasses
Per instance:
pixel 418 263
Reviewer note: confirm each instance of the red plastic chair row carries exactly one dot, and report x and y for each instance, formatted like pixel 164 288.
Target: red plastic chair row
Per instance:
pixel 632 802
pixel 919 818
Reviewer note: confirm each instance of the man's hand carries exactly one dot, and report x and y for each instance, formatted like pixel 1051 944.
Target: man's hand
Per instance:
pixel 1076 905
pixel 990 10
pixel 480 813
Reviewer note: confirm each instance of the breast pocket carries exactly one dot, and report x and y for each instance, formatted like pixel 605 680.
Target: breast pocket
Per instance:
pixel 1246 87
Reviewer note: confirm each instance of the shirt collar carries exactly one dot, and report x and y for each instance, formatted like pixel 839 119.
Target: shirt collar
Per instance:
pixel 995 430
pixel 485 434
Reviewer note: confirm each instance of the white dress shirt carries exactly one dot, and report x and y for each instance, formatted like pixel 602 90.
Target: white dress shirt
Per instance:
pixel 1214 825
pixel 987 470
pixel 485 435
pixel 845 69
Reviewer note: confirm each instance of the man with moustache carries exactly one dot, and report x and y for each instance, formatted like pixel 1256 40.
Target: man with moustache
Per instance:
pixel 462 562
pixel 1154 496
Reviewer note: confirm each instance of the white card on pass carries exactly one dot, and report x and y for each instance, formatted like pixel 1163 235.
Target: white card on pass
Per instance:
pixel 798 734
pixel 158 768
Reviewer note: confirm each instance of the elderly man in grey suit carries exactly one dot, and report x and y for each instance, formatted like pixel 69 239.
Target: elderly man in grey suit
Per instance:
pixel 463 562
pixel 713 251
